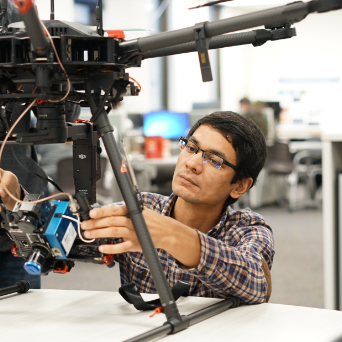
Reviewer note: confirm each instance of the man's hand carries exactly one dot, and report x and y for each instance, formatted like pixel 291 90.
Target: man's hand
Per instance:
pixel 112 222
pixel 12 184
pixel 176 238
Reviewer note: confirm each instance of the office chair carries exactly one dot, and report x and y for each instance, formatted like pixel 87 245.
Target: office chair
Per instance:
pixel 279 164
pixel 307 165
pixel 301 167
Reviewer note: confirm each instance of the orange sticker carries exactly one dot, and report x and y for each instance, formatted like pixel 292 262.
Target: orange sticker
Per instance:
pixel 123 167
pixel 23 6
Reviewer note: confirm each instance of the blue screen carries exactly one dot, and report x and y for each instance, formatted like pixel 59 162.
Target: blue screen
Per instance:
pixel 169 125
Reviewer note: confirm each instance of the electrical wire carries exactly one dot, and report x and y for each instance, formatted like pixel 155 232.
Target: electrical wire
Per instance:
pixel 1 151
pixel 131 78
pixel 78 227
pixel 22 115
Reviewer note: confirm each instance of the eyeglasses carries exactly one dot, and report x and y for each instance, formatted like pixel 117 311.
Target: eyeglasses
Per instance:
pixel 209 157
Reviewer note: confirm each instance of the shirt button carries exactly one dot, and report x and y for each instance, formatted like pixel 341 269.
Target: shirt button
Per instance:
pixel 144 274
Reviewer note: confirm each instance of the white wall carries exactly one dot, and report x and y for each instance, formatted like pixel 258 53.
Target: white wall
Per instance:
pixel 315 53
pixel 64 9
pixel 184 73
pixel 232 70
pixel 137 16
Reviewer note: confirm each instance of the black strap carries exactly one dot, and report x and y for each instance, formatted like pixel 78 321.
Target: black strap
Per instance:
pixel 131 294
pixel 36 174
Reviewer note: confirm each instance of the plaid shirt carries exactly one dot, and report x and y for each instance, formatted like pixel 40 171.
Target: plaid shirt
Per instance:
pixel 230 263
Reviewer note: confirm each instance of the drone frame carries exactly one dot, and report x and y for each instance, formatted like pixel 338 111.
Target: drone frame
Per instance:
pixel 199 38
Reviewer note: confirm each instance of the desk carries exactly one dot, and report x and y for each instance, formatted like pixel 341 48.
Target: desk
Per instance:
pixel 297 131
pixel 297 146
pixel 61 315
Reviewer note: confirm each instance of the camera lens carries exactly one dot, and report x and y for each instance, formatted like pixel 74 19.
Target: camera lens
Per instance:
pixel 36 260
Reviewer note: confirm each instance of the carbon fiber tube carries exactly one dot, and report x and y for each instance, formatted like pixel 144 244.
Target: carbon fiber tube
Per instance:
pixel 290 13
pixel 198 316
pixel 213 310
pixel 141 229
pixel 33 26
pixel 125 184
pixel 21 286
pixel 217 42
pixel 152 334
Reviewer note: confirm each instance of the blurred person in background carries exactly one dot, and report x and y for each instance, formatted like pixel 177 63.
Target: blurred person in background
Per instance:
pixel 254 111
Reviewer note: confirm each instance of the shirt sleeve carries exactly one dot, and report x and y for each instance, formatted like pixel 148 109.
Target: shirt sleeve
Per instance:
pixel 236 269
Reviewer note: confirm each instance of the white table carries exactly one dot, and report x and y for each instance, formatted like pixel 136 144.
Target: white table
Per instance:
pixel 307 145
pixel 61 315
pixel 297 131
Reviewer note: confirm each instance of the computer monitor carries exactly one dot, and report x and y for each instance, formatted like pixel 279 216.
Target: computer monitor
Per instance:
pixel 169 125
pixel 87 2
pixel 137 120
pixel 276 108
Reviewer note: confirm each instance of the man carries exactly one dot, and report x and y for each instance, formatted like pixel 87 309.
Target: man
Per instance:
pixel 200 238
pixel 245 106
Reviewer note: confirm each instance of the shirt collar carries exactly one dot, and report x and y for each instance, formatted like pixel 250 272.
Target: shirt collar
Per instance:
pixel 170 202
pixel 222 223
pixel 167 210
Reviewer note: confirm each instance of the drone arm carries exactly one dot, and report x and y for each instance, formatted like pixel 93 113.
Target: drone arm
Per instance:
pixel 288 14
pixel 33 26
pixel 255 37
pixel 242 38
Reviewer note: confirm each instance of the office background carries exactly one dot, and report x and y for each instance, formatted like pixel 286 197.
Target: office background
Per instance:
pixel 303 74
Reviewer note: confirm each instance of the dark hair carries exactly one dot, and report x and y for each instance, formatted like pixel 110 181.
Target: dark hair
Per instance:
pixel 245 100
pixel 247 139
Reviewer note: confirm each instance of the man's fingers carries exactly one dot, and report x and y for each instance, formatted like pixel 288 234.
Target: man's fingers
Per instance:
pixel 112 232
pixel 123 247
pixel 10 181
pixel 116 210
pixel 112 221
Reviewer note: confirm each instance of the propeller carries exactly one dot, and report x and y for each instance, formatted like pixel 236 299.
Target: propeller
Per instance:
pixel 209 4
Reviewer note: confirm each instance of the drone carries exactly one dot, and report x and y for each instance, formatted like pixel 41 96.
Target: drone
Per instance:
pixel 71 63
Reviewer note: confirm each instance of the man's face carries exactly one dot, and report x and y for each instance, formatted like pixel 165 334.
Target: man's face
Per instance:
pixel 201 183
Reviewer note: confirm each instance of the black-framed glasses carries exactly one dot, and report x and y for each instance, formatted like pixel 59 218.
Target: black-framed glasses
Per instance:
pixel 209 157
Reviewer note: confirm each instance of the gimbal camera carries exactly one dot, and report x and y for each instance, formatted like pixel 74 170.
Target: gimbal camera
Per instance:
pixel 70 63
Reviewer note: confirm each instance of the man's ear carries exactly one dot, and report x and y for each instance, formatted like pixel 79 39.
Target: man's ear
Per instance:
pixel 241 187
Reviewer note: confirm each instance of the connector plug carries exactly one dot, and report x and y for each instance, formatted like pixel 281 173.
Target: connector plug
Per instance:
pixel 73 205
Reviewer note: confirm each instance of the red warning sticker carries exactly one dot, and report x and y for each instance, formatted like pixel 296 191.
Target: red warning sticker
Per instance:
pixel 123 167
